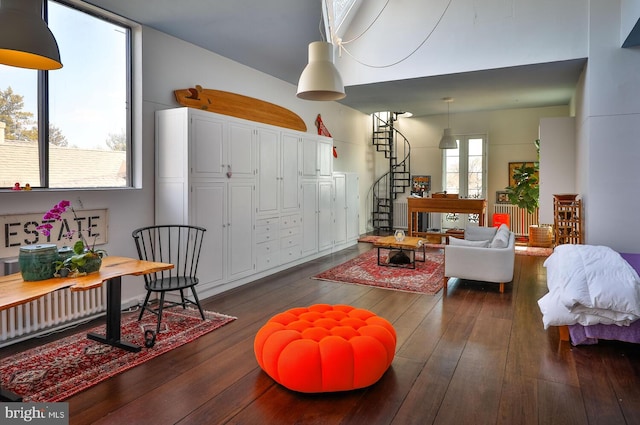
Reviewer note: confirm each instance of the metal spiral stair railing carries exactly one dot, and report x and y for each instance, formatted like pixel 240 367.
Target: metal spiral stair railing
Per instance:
pixel 386 188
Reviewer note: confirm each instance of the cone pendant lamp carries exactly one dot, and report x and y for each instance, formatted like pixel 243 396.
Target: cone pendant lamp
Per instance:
pixel 448 141
pixel 320 79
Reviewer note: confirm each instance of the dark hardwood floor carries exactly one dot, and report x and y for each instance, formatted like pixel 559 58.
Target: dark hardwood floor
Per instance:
pixel 472 356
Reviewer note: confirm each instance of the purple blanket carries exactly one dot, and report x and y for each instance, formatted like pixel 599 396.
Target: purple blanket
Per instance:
pixel 586 335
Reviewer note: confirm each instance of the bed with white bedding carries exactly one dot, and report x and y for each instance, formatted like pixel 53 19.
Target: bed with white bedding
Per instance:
pixel 594 291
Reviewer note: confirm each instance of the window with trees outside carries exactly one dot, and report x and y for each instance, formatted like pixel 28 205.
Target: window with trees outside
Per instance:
pixel 70 128
pixel 465 173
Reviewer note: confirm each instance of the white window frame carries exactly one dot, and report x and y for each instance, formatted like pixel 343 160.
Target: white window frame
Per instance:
pixel 133 100
pixel 463 154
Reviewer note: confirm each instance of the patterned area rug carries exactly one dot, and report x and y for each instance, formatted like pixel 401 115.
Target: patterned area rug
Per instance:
pixel 60 369
pixel 427 278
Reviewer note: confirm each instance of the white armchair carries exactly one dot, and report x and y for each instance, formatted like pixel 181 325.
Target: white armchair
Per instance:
pixel 492 263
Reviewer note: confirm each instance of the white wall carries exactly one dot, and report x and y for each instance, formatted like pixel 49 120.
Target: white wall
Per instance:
pixel 608 125
pixel 557 162
pixel 511 134
pixel 473 35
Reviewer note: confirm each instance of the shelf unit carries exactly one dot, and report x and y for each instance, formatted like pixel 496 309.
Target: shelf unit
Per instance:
pixel 568 221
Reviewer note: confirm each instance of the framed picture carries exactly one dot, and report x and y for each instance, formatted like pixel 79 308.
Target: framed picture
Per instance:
pixel 502 197
pixel 514 165
pixel 420 185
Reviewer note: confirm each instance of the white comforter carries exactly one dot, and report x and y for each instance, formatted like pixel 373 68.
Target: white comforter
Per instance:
pixel 589 285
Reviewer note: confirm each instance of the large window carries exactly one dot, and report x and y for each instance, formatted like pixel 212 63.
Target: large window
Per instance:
pixel 465 173
pixel 70 128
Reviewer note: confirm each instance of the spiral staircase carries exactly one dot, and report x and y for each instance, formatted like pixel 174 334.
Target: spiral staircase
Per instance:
pixel 397 151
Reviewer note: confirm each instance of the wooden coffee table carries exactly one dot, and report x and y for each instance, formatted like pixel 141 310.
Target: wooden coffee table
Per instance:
pixel 408 244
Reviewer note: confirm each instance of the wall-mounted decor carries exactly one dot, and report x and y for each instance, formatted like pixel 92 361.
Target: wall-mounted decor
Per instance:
pixel 502 197
pixel 420 185
pixel 514 165
pixel 20 229
pixel 239 106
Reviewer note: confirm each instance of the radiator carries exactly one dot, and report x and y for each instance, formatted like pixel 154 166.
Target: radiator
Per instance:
pixel 519 218
pixel 400 215
pixel 54 311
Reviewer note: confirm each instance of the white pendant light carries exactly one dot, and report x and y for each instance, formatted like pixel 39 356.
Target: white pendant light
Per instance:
pixel 448 141
pixel 320 79
pixel 25 39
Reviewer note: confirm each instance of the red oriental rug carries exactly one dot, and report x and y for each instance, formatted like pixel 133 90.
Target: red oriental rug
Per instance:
pixel 60 369
pixel 426 278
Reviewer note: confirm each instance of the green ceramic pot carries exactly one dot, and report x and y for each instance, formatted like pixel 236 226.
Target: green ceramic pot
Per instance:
pixel 37 261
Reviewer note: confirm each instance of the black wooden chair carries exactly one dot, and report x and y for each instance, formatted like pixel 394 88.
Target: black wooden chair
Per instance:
pixel 179 245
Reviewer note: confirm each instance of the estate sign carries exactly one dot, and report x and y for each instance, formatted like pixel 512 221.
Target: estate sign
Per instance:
pixel 20 229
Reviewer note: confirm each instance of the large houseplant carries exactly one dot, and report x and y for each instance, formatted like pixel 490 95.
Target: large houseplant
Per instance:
pixel 525 193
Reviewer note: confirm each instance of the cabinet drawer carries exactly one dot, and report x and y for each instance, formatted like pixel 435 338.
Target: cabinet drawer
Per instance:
pixel 290 241
pixel 267 255
pixel 291 231
pixel 267 221
pixel 290 254
pixel 292 220
pixel 266 233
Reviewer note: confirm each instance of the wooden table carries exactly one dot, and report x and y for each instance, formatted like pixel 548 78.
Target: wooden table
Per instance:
pixel 456 233
pixel 15 291
pixel 443 205
pixel 410 244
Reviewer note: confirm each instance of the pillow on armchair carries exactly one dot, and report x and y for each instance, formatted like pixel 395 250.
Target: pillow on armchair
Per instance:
pixel 465 242
pixel 479 233
pixel 501 239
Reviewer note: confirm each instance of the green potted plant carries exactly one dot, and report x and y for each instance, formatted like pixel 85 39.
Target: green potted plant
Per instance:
pixel 82 261
pixel 84 258
pixel 525 193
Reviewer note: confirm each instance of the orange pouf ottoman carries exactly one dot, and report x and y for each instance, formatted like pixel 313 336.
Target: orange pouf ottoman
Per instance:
pixel 325 348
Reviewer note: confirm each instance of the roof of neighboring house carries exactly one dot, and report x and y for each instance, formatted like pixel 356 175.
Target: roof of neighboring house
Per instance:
pixel 69 167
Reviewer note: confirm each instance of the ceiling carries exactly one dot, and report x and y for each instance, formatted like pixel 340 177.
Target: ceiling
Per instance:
pixel 272 36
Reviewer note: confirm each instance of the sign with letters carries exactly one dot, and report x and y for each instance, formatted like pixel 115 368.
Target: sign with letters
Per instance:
pixel 20 229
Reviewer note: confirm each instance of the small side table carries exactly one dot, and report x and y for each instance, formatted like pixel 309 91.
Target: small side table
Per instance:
pixel 409 244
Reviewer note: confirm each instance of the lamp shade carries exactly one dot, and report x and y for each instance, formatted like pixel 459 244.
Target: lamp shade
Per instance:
pixel 320 79
pixel 448 141
pixel 25 39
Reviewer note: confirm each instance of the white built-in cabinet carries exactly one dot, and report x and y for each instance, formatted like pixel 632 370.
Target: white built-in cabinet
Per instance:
pixel 309 217
pixel 268 171
pixel 346 201
pixel 325 214
pixel 205 177
pixel 317 154
pixel 317 215
pixel 291 172
pixel 266 195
